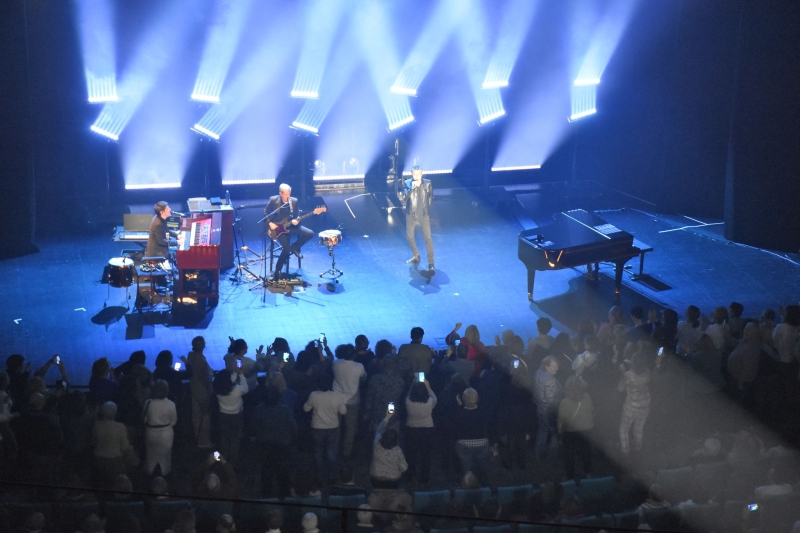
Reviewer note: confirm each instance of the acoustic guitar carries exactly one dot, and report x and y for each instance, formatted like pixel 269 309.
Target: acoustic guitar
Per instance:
pixel 287 224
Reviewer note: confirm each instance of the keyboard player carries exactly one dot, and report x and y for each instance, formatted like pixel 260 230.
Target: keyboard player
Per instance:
pixel 158 239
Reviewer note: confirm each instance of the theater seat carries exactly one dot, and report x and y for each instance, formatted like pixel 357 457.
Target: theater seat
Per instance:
pixel 432 501
pixel 515 499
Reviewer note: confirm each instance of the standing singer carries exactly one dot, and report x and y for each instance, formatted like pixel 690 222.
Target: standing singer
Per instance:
pixel 282 212
pixel 416 195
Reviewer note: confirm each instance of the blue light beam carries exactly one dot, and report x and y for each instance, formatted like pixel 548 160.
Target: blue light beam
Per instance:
pixel 95 21
pixel 438 29
pixel 605 39
pixel 517 18
pixel 322 21
pixel 221 39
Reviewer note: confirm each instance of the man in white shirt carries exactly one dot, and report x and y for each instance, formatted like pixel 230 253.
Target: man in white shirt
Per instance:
pixel 347 376
pixel 325 406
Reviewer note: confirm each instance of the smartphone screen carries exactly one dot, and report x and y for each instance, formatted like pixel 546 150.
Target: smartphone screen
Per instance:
pixel 516 363
pixel 391 407
pixel 660 350
pixel 285 357
pixel 421 377
pixel 321 337
pixel 238 363
pixel 58 359
pixel 753 507
pixel 456 342
pixel 177 366
pixel 216 456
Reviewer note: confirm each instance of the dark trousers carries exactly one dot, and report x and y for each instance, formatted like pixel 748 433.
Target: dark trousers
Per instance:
pixel 419 442
pixel 576 445
pixel 326 447
pixel 303 235
pixel 230 436
pixel 425 226
pixel 275 467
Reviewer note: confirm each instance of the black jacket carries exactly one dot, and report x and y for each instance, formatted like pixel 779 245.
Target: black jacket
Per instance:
pixel 417 202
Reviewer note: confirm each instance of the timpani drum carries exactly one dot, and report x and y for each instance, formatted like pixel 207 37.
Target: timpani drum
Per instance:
pixel 330 237
pixel 120 272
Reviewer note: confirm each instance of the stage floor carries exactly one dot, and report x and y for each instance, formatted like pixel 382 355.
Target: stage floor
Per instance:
pixel 53 301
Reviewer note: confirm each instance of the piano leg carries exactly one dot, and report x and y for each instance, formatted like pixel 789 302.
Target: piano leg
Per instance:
pixel 531 275
pixel 618 268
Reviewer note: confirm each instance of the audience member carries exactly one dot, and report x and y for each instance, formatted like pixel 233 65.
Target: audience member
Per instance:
pixel 418 355
pixel 547 392
pixel 419 434
pixel 347 377
pixel 275 431
pixel 200 375
pixel 309 523
pixel 159 418
pixel 472 436
pixel 325 407
pixel 215 478
pixel 575 421
pixel 101 387
pixel 110 446
pixel 388 461
pixel 229 387
pixel 635 383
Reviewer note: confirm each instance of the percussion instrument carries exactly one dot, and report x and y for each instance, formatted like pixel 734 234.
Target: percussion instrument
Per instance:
pixel 120 272
pixel 330 237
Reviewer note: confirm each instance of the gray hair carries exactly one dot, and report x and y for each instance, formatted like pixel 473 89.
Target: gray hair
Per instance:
pixel 284 187
pixel 108 410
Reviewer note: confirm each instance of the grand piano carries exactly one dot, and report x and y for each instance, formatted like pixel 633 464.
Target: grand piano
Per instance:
pixel 575 238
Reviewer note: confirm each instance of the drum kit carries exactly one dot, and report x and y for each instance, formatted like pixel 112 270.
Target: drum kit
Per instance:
pixel 330 238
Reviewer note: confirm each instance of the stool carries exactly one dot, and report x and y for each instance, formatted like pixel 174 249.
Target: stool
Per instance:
pixel 275 247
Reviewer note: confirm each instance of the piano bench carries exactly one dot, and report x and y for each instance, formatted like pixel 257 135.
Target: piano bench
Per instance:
pixel 642 248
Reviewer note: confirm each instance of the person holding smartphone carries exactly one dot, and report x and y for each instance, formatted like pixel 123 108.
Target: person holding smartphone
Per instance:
pixel 238 351
pixel 419 433
pixel 229 388
pixel 388 461
pixel 347 378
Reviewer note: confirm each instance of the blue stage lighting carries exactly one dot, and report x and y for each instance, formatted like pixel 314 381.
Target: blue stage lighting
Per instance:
pixel 581 82
pixel 95 21
pixel 576 116
pixel 606 34
pixel 254 181
pixel 494 84
pixel 104 133
pixel 403 90
pixel 584 100
pixel 208 133
pixel 140 186
pixel 493 116
pixel 310 95
pixel 305 127
pixel 517 18
pixel 222 38
pixel 518 167
pixel 322 22
pixel 401 123
pixel 430 172
pixel 340 177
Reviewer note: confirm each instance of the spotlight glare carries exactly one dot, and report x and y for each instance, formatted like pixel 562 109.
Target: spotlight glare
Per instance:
pixel 403 90
pixel 519 167
pixel 104 133
pixel 580 82
pixel 494 84
pixel 311 95
pixel 428 172
pixel 205 98
pixel 200 129
pixel 248 182
pixel 340 177
pixel 103 99
pixel 304 127
pixel 408 120
pixel 493 116
pixel 140 186
pixel 582 114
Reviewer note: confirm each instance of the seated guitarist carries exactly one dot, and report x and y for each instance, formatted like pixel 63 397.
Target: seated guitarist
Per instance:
pixel 282 211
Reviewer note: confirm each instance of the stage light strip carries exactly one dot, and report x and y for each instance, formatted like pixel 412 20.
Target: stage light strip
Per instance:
pixel 428 172
pixel 494 84
pixel 493 116
pixel 519 167
pixel 200 129
pixel 404 90
pixel 205 98
pixel 311 95
pixel 152 186
pixel 582 82
pixel 305 127
pixel 341 177
pixel 248 182
pixel 582 114
pixel 104 133
pixel 408 120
